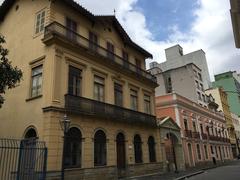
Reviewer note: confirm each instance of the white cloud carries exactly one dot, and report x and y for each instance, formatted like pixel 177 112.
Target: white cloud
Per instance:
pixel 211 31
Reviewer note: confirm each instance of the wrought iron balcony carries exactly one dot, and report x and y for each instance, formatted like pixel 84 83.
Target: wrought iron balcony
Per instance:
pixel 196 135
pixel 84 106
pixel 213 138
pixel 57 32
pixel 204 136
pixel 188 133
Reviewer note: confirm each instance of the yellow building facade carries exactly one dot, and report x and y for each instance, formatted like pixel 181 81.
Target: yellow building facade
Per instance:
pixel 221 99
pixel 87 67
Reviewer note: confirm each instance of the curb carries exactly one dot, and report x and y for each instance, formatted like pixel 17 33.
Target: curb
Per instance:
pixel 141 176
pixel 189 175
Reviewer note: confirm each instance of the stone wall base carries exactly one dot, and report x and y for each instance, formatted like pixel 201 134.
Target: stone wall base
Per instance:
pixel 141 169
pixel 107 173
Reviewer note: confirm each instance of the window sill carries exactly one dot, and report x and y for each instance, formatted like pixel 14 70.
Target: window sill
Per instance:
pixel 32 98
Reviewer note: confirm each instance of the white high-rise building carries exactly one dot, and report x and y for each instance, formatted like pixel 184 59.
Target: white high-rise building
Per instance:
pixel 175 58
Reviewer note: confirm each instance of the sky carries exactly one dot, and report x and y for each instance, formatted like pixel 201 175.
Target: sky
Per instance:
pixel 194 24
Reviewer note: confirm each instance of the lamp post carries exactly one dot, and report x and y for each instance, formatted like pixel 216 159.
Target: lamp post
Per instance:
pixel 65 124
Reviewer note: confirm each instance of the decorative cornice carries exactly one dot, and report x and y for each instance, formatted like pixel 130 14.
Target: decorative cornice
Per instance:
pixel 193 107
pixel 53 108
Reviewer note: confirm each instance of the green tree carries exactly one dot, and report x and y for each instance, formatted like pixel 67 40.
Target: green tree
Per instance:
pixel 9 76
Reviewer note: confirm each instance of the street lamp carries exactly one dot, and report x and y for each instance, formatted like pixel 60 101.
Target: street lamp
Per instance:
pixel 65 125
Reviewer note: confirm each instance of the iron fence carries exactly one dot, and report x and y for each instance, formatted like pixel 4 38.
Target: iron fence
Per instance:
pixel 22 159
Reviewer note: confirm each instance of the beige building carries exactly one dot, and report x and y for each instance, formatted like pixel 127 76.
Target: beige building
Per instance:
pixel 235 15
pixel 86 67
pixel 221 99
pixel 236 123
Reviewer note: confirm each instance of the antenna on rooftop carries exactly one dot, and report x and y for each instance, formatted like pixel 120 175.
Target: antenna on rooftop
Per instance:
pixel 114 11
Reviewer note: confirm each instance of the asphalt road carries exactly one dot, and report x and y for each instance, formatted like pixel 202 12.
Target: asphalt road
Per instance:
pixel 229 172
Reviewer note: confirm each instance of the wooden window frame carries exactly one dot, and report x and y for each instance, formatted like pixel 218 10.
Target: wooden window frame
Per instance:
pixel 147 103
pixel 133 96
pixel 40 20
pixel 33 76
pixel 118 90
pixel 75 86
pixel 99 85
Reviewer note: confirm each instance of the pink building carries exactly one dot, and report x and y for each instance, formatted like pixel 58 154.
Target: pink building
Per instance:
pixel 203 131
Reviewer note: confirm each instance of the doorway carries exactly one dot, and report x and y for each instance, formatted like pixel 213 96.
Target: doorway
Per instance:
pixel 121 154
pixel 190 155
pixel 170 149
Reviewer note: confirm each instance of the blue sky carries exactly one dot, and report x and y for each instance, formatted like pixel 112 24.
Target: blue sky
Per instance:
pixel 162 16
pixel 159 24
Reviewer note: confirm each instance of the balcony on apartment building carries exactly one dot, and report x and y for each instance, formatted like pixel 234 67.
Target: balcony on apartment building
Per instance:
pixel 219 139
pixel 204 136
pixel 188 133
pixel 192 134
pixel 196 135
pixel 89 107
pixel 56 32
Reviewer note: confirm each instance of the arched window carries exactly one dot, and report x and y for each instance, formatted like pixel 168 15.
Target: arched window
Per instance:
pixel 151 149
pixel 31 133
pixel 199 152
pixel 73 148
pixel 100 149
pixel 138 148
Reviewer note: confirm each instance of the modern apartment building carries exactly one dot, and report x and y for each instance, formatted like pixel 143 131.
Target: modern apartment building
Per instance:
pixel 221 99
pixel 175 58
pixel 203 131
pixel 235 15
pixel 230 83
pixel 186 80
pixel 86 67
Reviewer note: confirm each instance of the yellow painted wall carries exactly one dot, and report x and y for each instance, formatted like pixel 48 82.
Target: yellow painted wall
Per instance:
pixel 18 29
pixel 26 47
pixel 27 50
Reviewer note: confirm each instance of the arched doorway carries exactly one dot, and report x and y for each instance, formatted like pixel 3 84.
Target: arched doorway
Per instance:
pixel 138 148
pixel 151 149
pixel 100 148
pixel 31 133
pixel 73 148
pixel 121 153
pixel 170 149
pixel 29 153
pixel 190 155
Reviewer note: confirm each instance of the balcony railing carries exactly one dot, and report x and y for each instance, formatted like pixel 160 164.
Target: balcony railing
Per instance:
pixel 213 138
pixel 56 30
pixel 188 133
pixel 204 136
pixel 81 105
pixel 196 135
pixel 219 139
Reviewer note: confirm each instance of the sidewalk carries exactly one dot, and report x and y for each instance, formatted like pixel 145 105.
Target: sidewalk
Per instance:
pixel 180 175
